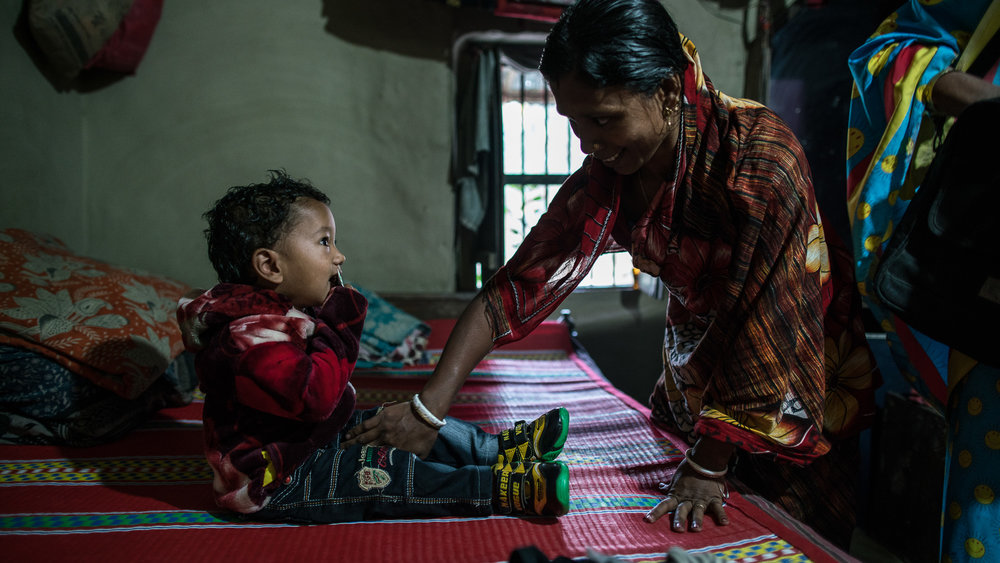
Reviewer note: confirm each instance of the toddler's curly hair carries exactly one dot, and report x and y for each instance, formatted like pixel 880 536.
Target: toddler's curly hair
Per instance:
pixel 250 217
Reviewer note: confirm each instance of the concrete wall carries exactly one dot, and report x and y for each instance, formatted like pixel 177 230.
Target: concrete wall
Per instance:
pixel 355 95
pixel 226 91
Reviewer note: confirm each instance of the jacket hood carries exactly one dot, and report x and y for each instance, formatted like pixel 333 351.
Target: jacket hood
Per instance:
pixel 204 315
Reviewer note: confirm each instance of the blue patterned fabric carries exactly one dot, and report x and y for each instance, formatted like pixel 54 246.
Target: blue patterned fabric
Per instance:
pixel 391 336
pixel 890 145
pixel 971 530
pixel 42 402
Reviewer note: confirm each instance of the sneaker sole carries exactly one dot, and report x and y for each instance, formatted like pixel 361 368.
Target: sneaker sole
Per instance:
pixel 562 490
pixel 557 446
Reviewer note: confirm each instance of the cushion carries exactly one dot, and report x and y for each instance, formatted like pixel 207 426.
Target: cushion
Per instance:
pixel 391 336
pixel 42 402
pixel 104 34
pixel 114 326
pixel 70 32
pixel 125 49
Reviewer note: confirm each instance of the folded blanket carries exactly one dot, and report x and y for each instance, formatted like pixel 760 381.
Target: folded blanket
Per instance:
pixel 391 337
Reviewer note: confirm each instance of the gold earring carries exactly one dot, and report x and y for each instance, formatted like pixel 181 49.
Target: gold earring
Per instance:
pixel 668 115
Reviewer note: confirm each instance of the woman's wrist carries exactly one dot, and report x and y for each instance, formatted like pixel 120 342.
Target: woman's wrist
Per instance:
pixel 950 92
pixel 928 92
pixel 424 414
pixel 712 457
pixel 437 400
pixel 704 472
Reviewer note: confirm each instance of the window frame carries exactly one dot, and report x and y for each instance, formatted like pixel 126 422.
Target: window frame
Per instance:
pixel 617 277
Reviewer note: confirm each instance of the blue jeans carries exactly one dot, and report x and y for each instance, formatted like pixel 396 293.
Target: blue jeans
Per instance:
pixel 375 483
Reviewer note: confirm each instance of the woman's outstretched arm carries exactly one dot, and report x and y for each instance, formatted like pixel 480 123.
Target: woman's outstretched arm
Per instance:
pixel 398 425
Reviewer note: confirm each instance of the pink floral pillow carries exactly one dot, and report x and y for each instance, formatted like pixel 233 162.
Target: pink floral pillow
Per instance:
pixel 112 325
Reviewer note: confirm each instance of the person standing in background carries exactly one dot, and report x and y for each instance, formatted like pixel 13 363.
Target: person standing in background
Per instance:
pixel 910 74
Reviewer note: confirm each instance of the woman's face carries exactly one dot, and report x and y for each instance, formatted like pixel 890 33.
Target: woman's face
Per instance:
pixel 623 129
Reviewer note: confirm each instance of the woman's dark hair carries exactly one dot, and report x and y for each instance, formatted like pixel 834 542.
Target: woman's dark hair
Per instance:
pixel 252 217
pixel 629 43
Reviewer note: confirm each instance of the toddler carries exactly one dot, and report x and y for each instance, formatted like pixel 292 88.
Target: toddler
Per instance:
pixel 276 341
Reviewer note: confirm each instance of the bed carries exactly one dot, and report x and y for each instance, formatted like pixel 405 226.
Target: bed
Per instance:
pixel 146 494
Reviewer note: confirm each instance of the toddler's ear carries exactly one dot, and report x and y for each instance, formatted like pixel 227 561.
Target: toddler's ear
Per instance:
pixel 265 263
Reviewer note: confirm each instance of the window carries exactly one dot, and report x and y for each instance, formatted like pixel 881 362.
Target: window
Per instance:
pixel 539 153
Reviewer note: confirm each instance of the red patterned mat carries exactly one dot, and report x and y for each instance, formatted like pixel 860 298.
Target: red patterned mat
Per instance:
pixel 147 497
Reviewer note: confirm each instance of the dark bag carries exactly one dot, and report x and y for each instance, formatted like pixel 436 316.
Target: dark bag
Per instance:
pixel 940 272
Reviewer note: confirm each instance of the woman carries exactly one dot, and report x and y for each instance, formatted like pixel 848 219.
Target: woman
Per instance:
pixel 712 195
pixel 924 49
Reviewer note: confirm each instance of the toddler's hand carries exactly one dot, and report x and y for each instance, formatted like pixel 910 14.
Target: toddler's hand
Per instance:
pixel 343 304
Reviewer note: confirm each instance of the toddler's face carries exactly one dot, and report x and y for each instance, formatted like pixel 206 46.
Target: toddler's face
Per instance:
pixel 309 260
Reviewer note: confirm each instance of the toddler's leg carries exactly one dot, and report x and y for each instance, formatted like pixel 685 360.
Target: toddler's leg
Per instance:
pixel 376 483
pixel 463 443
pixel 525 480
pixel 532 487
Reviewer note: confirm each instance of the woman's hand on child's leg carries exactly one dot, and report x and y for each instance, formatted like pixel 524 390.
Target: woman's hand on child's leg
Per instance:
pixel 394 426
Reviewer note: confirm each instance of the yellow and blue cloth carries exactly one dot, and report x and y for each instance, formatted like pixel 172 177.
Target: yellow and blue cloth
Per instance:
pixel 889 146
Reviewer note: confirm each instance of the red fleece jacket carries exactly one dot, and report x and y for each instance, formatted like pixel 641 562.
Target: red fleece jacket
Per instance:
pixel 275 381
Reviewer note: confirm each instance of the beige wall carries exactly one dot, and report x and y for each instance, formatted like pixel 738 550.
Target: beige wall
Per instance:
pixel 355 95
pixel 226 91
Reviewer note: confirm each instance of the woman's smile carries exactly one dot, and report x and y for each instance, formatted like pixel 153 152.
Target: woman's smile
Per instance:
pixel 611 160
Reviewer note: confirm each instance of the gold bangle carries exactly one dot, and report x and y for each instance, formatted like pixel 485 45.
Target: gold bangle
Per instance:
pixel 928 97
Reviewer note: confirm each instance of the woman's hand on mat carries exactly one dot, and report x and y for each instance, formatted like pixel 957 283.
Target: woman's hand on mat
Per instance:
pixel 689 497
pixel 396 426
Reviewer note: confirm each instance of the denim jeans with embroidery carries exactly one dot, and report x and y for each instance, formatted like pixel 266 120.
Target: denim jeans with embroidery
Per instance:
pixel 375 482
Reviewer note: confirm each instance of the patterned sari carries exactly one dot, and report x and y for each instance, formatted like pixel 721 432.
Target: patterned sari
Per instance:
pixel 764 347
pixel 890 146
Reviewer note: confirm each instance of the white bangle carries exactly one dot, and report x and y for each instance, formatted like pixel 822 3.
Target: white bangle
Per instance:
pixel 426 415
pixel 701 470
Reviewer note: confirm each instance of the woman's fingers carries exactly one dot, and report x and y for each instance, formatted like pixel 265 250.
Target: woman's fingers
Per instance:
pixel 665 506
pixel 365 438
pixel 697 515
pixel 679 522
pixel 394 426
pixel 688 513
pixel 362 427
pixel 364 433
pixel 718 511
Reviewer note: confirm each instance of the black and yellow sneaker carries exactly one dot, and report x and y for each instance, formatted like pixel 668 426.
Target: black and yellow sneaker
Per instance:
pixel 541 440
pixel 531 488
